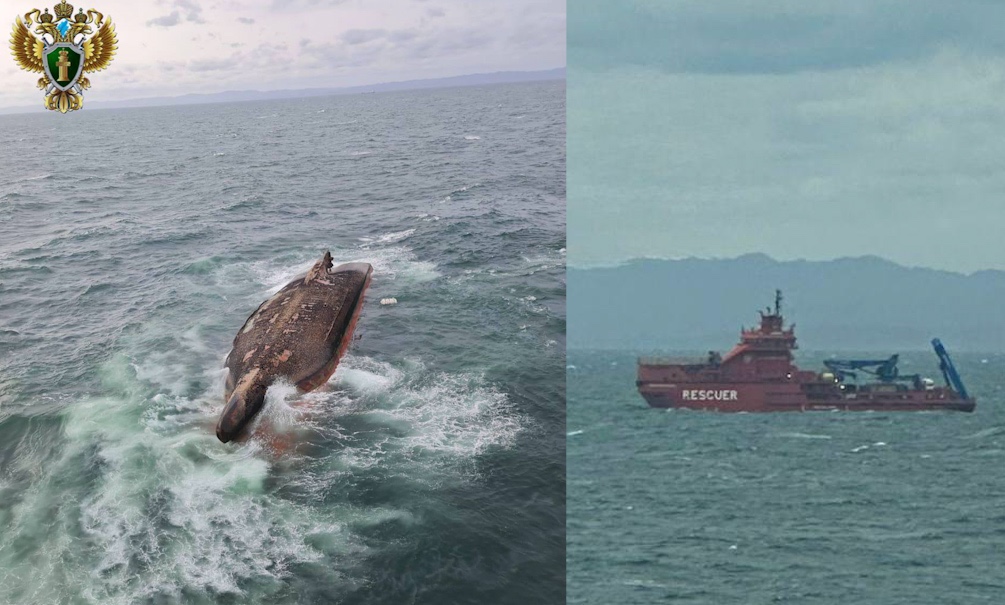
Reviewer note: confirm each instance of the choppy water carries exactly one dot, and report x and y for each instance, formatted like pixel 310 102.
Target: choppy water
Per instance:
pixel 694 507
pixel 134 243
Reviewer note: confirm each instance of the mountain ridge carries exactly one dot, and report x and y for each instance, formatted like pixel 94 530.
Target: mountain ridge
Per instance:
pixel 865 303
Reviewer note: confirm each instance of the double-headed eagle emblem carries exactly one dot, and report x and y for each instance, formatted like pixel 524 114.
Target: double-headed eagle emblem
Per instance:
pixel 63 51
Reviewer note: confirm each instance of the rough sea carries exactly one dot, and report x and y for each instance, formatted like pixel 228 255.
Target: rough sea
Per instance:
pixel 679 506
pixel 134 243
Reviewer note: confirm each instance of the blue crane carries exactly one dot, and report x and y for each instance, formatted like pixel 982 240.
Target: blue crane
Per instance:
pixel 884 369
pixel 948 369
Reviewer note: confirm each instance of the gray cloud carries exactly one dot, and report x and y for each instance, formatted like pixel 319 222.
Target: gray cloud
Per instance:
pixel 212 64
pixel 346 44
pixel 262 57
pixel 738 36
pixel 192 10
pixel 362 36
pixel 402 35
pixel 192 13
pixel 169 20
pixel 285 5
pixel 893 154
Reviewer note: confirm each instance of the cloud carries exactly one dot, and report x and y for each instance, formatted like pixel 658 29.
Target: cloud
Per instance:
pixel 739 36
pixel 362 36
pixel 456 42
pixel 285 5
pixel 166 21
pixel 192 10
pixel 212 64
pixel 798 129
pixel 887 160
pixel 402 35
pixel 187 9
pixel 348 43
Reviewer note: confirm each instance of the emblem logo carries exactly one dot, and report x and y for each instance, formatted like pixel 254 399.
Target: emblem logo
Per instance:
pixel 65 50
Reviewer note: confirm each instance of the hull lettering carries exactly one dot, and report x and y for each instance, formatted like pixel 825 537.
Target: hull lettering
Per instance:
pixel 708 395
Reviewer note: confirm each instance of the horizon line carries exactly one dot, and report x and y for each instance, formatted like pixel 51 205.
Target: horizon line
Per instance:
pixel 205 98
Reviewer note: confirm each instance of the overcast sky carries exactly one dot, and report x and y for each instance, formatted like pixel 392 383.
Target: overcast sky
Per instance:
pixel 799 129
pixel 171 47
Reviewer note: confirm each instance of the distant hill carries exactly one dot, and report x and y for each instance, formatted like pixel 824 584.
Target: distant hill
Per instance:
pixel 851 304
pixel 500 77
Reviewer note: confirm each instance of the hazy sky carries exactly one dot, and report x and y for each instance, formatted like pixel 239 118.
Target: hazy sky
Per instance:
pixel 799 129
pixel 170 47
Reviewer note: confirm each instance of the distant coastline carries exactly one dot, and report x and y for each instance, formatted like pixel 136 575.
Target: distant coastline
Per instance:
pixel 482 79
pixel 850 304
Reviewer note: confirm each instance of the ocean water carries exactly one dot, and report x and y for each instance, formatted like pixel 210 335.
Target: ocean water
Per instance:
pixel 134 243
pixel 831 508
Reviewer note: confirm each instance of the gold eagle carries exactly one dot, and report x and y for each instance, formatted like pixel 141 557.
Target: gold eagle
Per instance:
pixel 28 49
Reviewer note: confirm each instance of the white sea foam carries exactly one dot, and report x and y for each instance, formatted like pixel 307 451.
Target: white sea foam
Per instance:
pixel 165 507
pixel 378 378
pixel 390 262
pixel 804 436
pixel 443 413
pixel 395 236
pixel 427 426
pixel 274 276
pixel 643 584
pixel 453 415
pixel 195 514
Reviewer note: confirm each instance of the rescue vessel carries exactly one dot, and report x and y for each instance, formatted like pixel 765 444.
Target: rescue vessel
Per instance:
pixel 758 375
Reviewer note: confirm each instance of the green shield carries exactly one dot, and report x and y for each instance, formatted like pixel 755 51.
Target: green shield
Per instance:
pixel 62 64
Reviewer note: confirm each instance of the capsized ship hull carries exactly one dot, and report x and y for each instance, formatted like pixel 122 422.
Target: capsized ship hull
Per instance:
pixel 758 375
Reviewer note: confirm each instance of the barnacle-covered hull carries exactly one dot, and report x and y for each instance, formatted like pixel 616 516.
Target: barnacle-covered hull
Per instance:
pixel 300 334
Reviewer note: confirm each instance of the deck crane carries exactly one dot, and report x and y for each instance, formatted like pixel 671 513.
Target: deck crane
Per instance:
pixel 884 369
pixel 948 369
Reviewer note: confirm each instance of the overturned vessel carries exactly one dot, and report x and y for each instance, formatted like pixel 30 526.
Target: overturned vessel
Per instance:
pixel 758 375
pixel 299 335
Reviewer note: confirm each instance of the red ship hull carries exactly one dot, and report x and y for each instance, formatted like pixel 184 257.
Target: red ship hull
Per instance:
pixel 758 375
pixel 791 398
